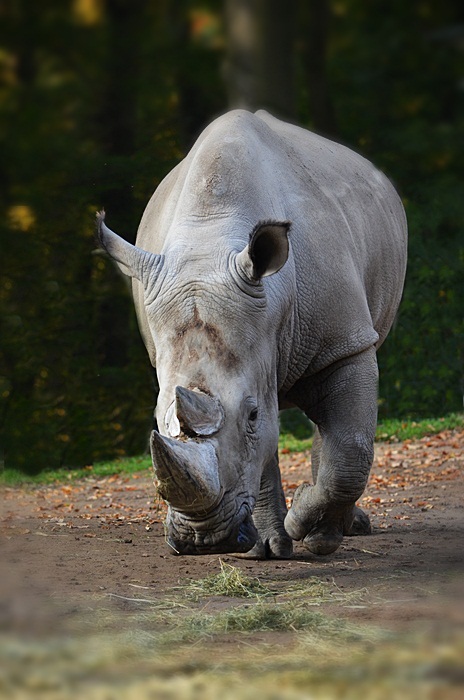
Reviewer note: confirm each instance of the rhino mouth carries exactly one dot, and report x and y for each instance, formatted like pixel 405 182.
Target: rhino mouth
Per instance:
pixel 186 535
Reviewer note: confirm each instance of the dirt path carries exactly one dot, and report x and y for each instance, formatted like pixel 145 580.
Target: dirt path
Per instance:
pixel 67 542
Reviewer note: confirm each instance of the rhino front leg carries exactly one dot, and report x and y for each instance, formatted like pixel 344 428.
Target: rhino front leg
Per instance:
pixel 342 401
pixel 316 453
pixel 268 517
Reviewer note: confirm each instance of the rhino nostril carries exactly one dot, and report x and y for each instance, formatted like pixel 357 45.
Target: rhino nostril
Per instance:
pixel 242 535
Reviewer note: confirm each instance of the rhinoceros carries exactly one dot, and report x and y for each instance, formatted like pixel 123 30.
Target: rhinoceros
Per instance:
pixel 268 268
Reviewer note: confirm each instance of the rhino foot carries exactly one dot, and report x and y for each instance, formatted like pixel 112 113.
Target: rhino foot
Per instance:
pixel 322 525
pixel 275 544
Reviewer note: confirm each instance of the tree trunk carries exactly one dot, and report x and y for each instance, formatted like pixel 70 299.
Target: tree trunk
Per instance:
pixel 259 68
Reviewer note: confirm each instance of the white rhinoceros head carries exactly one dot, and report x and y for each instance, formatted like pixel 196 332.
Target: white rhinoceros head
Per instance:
pixel 216 355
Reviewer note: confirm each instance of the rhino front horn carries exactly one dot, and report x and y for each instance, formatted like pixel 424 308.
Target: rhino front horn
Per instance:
pixel 197 412
pixel 187 474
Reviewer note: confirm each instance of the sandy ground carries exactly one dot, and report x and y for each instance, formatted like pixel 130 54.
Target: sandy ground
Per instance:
pixel 67 550
pixel 66 542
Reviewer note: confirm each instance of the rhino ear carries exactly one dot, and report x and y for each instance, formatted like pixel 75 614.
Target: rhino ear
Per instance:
pixel 267 250
pixel 132 261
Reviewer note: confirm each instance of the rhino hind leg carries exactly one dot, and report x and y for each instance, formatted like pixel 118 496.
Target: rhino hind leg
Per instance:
pixel 342 401
pixel 268 517
pixel 361 524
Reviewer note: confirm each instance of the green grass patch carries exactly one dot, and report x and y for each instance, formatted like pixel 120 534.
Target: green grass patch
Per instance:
pixel 295 436
pixel 296 430
pixel 289 443
pixel 261 616
pixel 396 429
pixel 129 465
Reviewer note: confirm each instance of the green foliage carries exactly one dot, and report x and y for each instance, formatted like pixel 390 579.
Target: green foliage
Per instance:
pixel 98 101
pixel 421 364
pixel 405 111
pixel 295 431
pixel 90 102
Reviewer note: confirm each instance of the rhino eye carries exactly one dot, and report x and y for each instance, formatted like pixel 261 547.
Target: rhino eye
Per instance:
pixel 253 415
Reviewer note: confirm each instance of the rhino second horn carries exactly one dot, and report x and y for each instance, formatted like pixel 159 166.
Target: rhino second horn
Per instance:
pixel 187 473
pixel 198 413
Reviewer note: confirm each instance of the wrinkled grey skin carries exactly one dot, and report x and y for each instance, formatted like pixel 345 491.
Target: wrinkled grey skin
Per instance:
pixel 268 269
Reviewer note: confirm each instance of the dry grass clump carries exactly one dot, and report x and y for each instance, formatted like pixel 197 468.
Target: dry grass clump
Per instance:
pixel 230 581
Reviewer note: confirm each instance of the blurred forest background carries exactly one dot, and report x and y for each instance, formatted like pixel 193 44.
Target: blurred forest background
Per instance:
pixel 99 99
